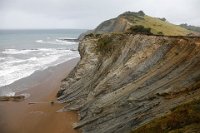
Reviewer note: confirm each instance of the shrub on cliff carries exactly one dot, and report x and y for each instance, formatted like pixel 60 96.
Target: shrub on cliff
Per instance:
pixel 107 44
pixel 104 44
pixel 141 13
pixel 135 14
pixel 163 19
pixel 160 33
pixel 92 35
pixel 140 29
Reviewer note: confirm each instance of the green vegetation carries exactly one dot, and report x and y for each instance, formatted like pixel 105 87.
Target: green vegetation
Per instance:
pixel 141 13
pixel 156 24
pixel 133 16
pixel 140 29
pixel 92 35
pixel 163 19
pixel 183 118
pixel 136 14
pixel 107 43
pixel 104 44
pixel 160 33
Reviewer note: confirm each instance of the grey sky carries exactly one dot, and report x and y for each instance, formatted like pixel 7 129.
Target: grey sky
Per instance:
pixel 89 13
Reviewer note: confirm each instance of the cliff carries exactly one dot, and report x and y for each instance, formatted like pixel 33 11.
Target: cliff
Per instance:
pixel 124 81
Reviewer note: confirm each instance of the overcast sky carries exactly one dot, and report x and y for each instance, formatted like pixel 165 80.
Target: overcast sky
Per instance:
pixel 87 14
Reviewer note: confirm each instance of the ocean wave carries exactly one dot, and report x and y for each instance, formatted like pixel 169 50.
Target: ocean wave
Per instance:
pixel 57 41
pixel 70 38
pixel 39 41
pixel 2 59
pixel 16 51
pixel 13 68
pixel 7 93
pixel 27 51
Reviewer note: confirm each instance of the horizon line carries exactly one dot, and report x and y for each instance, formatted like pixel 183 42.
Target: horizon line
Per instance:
pixel 44 29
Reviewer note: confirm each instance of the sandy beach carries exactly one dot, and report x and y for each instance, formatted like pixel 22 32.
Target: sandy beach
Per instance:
pixel 22 117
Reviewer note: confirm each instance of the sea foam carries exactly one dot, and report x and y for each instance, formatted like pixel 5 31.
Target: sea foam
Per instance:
pixel 13 68
pixel 57 41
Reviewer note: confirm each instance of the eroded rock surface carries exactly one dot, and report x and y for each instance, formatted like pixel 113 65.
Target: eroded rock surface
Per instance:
pixel 124 81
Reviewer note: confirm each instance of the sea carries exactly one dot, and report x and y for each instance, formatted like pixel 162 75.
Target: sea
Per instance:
pixel 23 52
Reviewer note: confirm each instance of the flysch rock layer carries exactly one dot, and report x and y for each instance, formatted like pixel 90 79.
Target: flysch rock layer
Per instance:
pixel 136 79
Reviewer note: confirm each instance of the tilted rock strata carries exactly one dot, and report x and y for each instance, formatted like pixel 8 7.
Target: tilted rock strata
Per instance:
pixel 136 79
pixel 119 24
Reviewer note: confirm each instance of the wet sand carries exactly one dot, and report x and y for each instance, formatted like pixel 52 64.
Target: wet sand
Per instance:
pixel 21 117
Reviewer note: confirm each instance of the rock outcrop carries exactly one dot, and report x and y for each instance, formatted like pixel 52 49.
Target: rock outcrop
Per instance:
pixel 124 81
pixel 119 24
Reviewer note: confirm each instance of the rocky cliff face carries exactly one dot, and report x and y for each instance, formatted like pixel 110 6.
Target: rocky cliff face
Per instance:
pixel 124 81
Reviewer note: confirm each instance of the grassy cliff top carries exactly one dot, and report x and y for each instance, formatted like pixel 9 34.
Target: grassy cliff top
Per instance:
pixel 159 26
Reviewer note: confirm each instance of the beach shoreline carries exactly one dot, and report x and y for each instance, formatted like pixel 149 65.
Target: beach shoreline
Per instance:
pixel 22 117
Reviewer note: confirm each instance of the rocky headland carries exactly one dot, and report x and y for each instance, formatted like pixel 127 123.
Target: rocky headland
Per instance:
pixel 124 80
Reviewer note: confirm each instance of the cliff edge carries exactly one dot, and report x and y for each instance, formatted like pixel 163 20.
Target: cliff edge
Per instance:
pixel 124 81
